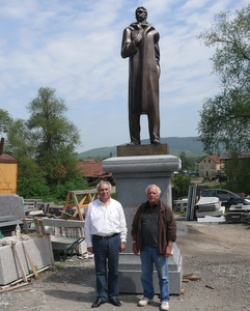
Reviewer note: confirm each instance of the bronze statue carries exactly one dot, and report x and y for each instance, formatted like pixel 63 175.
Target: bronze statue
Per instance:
pixel 140 44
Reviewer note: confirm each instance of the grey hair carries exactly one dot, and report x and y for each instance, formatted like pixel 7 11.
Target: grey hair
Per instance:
pixel 103 182
pixel 158 188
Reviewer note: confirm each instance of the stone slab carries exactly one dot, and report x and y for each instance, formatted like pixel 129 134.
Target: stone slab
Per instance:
pixel 63 223
pixel 11 207
pixel 39 249
pixel 137 150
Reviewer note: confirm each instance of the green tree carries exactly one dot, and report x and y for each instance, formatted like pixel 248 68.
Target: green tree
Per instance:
pixel 185 164
pixel 44 146
pixel 22 142
pixel 225 119
pixel 22 145
pixel 56 137
pixel 31 181
pixel 181 183
pixel 238 175
pixel 5 121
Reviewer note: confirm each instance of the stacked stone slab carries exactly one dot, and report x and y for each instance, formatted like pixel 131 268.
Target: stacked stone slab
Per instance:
pixel 39 249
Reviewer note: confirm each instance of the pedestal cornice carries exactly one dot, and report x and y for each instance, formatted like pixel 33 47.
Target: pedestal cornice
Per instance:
pixel 148 163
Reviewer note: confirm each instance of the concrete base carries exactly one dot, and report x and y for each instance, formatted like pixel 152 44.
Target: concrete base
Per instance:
pixel 132 174
pixel 130 274
pixel 39 249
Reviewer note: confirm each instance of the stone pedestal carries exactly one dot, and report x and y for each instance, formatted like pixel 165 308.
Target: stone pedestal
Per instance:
pixel 132 174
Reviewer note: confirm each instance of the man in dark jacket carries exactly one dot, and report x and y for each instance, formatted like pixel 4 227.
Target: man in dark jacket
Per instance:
pixel 153 232
pixel 140 44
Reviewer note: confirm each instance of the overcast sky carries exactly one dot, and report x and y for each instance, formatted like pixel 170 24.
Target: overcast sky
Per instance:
pixel 73 46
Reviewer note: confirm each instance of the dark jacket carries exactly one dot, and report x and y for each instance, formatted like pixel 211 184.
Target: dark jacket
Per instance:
pixel 166 228
pixel 144 69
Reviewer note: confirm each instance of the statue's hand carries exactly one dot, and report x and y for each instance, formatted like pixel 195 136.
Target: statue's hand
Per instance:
pixel 138 37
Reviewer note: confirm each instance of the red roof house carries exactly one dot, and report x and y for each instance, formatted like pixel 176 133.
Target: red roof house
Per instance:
pixel 94 172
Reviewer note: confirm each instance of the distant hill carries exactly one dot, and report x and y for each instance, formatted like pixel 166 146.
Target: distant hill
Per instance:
pixel 190 145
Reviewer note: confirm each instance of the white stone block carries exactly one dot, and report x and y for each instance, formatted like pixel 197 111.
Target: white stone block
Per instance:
pixel 38 249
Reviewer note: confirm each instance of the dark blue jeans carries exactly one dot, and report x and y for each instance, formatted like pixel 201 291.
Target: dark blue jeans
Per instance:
pixel 106 251
pixel 149 257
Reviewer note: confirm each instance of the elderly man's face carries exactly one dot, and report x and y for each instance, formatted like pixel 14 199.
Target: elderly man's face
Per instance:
pixel 153 195
pixel 141 15
pixel 104 191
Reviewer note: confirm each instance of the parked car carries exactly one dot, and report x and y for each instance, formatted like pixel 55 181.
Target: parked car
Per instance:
pixel 226 197
pixel 238 213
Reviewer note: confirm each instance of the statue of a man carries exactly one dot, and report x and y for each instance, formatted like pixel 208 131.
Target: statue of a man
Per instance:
pixel 140 44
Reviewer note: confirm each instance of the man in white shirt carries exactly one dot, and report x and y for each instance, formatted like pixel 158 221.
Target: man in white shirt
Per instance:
pixel 105 235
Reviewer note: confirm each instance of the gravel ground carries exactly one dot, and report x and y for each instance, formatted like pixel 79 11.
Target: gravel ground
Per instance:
pixel 218 253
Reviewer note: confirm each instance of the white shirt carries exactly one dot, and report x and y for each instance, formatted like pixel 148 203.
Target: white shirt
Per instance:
pixel 104 220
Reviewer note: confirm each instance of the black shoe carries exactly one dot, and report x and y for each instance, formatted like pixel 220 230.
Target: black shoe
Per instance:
pixel 156 142
pixel 115 301
pixel 133 143
pixel 97 303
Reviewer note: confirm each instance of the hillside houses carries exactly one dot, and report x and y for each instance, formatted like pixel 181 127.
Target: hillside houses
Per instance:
pixel 209 167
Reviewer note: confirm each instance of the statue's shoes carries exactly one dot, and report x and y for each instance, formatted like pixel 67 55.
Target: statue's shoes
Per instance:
pixel 132 143
pixel 156 142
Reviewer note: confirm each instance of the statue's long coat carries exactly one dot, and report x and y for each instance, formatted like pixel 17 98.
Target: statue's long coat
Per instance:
pixel 144 69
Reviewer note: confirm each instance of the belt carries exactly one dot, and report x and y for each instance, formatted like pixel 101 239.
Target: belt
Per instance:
pixel 106 237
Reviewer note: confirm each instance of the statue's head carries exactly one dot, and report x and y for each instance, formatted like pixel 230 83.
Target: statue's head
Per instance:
pixel 141 14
